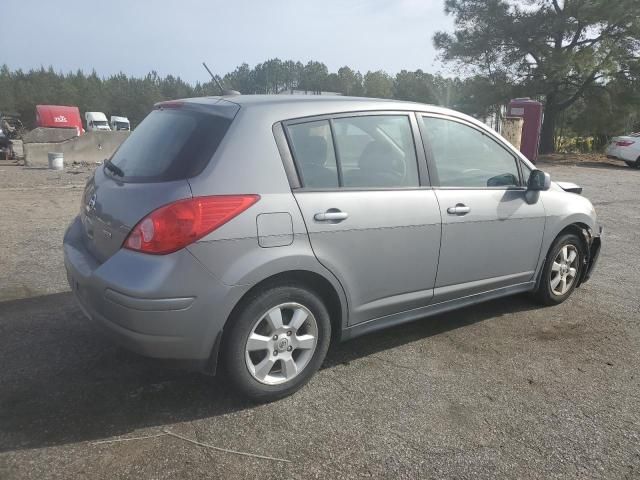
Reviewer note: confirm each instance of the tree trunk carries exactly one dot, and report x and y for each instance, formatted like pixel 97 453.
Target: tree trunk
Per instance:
pixel 548 128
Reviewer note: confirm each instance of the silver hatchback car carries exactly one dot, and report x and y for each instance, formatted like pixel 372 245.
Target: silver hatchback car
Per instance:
pixel 252 231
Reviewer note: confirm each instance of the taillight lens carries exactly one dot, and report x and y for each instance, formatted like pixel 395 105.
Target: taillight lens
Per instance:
pixel 169 104
pixel 625 143
pixel 181 223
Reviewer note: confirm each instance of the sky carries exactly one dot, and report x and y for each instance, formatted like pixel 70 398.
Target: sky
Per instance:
pixel 176 36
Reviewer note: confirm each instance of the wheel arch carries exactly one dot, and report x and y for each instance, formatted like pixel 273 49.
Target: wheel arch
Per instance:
pixel 333 298
pixel 578 227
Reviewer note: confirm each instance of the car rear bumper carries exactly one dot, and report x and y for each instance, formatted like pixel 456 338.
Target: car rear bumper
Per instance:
pixel 621 155
pixel 165 306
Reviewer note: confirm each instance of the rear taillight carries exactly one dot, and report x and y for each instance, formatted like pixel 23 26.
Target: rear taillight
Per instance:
pixel 625 143
pixel 169 104
pixel 181 223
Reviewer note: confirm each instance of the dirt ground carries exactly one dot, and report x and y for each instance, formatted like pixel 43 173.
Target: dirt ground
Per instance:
pixel 505 389
pixel 36 205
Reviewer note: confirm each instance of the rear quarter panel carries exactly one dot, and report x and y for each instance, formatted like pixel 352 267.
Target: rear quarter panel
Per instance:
pixel 248 162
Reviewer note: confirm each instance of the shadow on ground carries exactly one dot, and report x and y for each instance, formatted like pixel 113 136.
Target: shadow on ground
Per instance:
pixel 61 382
pixel 585 164
pixel 608 166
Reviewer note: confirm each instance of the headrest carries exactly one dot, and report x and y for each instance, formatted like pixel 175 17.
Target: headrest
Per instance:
pixel 377 156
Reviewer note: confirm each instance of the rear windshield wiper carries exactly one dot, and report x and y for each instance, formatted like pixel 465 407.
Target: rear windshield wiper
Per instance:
pixel 116 170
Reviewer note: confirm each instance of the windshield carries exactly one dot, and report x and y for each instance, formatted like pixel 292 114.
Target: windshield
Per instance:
pixel 121 125
pixel 170 144
pixel 100 123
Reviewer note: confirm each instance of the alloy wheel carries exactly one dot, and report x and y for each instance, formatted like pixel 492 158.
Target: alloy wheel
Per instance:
pixel 281 343
pixel 564 270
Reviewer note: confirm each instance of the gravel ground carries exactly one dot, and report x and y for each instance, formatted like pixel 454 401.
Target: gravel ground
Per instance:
pixel 36 205
pixel 501 390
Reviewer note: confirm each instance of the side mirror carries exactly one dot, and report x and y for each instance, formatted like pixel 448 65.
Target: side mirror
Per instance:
pixel 539 181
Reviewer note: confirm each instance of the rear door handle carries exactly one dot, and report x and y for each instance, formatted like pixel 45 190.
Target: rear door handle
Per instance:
pixel 459 209
pixel 331 215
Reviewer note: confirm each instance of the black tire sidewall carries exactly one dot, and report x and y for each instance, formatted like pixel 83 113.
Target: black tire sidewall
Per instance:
pixel 241 324
pixel 545 294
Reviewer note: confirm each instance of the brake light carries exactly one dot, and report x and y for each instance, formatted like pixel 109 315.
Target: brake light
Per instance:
pixel 174 226
pixel 625 143
pixel 169 104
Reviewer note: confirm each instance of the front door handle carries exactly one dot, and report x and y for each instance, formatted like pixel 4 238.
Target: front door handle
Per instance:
pixel 331 215
pixel 459 209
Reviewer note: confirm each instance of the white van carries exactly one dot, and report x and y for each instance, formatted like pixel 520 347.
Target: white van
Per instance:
pixel 96 121
pixel 120 123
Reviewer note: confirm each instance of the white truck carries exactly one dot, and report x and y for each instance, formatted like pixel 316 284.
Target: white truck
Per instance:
pixel 120 123
pixel 96 121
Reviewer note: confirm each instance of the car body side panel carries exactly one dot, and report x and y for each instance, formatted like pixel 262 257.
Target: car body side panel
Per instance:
pixel 385 253
pixel 243 262
pixel 261 172
pixel 246 161
pixel 234 252
pixel 563 209
pixel 434 308
pixel 498 241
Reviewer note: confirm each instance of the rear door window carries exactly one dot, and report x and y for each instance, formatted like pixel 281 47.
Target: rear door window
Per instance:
pixel 170 144
pixel 371 151
pixel 313 150
pixel 376 151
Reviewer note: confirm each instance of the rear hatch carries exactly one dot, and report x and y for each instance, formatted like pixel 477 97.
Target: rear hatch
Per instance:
pixel 173 143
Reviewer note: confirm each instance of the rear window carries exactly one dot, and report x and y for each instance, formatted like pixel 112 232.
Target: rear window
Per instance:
pixel 170 144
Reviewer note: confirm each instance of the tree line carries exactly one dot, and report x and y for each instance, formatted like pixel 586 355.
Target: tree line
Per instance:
pixel 133 97
pixel 603 113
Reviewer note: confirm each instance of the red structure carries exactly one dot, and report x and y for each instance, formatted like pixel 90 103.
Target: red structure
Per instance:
pixel 531 112
pixel 59 116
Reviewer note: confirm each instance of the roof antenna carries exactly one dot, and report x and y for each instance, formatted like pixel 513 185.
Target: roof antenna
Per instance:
pixel 223 92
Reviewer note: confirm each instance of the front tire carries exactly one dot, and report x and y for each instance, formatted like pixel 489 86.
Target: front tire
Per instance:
pixel 635 164
pixel 277 341
pixel 562 270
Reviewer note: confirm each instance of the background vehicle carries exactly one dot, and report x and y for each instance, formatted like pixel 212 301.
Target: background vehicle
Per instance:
pixel 120 123
pixel 6 146
pixel 625 148
pixel 11 125
pixel 96 121
pixel 255 229
pixel 59 116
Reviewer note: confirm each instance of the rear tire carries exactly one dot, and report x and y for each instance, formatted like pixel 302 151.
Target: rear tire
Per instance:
pixel 562 270
pixel 276 342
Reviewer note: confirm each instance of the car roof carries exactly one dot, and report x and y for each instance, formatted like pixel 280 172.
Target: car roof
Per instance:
pixel 282 107
pixel 278 100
